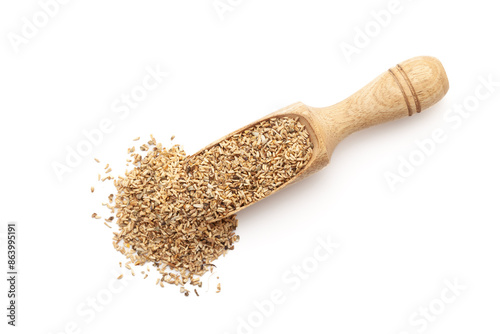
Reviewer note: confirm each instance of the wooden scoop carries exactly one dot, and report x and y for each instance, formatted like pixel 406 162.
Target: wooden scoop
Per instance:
pixel 404 90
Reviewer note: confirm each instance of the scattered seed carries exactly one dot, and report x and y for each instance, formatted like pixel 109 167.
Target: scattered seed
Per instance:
pixel 92 189
pixel 120 277
pixel 136 139
pixel 97 160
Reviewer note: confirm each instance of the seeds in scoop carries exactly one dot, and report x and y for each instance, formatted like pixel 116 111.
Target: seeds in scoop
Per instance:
pixel 241 169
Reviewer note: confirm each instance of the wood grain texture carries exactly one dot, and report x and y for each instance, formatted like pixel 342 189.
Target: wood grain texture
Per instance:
pixel 404 90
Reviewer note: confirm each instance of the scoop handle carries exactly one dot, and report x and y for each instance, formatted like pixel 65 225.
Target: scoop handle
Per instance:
pixel 404 90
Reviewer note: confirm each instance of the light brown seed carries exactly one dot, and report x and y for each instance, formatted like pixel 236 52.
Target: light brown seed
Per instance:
pixel 169 208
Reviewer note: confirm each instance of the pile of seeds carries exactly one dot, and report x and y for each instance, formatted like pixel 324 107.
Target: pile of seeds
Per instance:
pixel 172 209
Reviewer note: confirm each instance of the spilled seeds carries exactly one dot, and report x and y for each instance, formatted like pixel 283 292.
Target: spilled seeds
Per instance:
pixel 173 211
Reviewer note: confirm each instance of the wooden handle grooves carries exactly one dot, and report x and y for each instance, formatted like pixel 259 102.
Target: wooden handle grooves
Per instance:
pixel 404 83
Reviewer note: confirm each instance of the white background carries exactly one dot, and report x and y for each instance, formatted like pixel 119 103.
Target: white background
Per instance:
pixel 398 247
